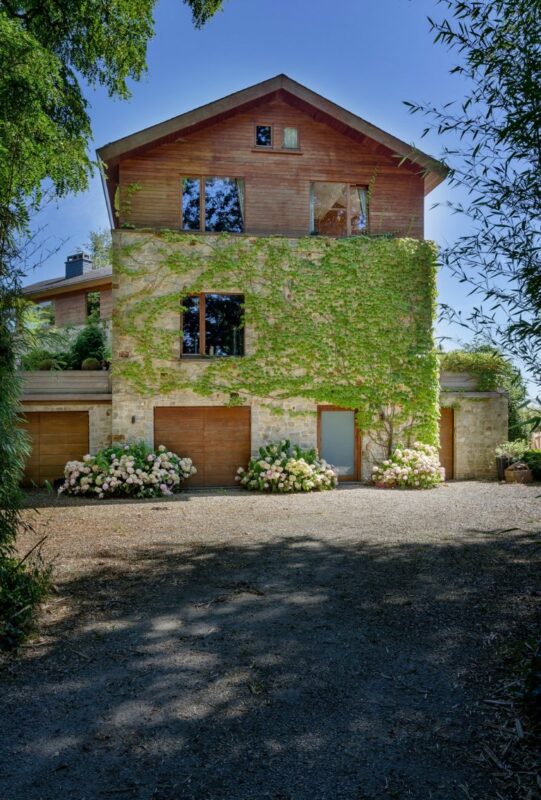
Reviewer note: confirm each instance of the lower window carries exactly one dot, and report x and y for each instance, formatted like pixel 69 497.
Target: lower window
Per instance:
pixel 213 325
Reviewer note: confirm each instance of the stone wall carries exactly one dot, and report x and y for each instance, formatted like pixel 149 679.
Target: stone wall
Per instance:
pixel 133 417
pixel 481 420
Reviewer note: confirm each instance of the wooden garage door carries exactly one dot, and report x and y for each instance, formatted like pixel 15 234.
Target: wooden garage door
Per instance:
pixel 447 441
pixel 217 439
pixel 56 437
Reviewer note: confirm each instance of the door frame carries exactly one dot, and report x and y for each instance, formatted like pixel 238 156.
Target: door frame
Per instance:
pixel 357 441
pixel 451 412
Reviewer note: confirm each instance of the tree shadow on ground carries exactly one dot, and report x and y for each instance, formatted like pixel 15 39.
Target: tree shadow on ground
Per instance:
pixel 297 669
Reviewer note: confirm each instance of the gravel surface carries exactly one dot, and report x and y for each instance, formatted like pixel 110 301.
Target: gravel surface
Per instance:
pixel 231 646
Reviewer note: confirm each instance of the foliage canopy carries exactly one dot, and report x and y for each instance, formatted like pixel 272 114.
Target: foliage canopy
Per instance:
pixel 495 157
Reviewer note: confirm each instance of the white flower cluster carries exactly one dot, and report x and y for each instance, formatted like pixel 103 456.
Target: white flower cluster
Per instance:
pixel 130 470
pixel 416 468
pixel 283 468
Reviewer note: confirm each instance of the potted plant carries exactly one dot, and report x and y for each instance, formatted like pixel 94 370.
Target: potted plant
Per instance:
pixel 518 472
pixel 507 453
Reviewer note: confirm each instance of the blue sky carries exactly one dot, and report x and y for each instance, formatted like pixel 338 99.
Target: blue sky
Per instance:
pixel 368 57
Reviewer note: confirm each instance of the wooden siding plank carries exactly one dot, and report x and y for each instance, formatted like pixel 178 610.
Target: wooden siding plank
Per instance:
pixel 277 184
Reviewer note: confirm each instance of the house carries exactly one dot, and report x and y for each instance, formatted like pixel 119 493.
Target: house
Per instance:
pixel 74 295
pixel 271 280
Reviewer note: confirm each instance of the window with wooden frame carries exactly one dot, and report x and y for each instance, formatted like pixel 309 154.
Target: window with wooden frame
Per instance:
pixel 213 325
pixel 263 136
pixel 212 204
pixel 290 139
pixel 338 209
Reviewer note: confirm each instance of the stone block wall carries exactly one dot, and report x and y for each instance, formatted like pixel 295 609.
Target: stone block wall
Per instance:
pixel 481 420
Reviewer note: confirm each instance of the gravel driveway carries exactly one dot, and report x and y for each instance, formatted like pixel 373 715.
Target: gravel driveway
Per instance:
pixel 230 646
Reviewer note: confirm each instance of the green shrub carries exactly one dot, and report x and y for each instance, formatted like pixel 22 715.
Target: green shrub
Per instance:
pixel 22 583
pixel 39 356
pixel 134 470
pixel 90 343
pixel 533 460
pixel 416 467
pixel 494 371
pixel 90 364
pixel 514 451
pixel 283 467
pixel 22 587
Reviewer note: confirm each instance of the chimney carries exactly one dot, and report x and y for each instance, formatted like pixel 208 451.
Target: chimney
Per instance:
pixel 78 264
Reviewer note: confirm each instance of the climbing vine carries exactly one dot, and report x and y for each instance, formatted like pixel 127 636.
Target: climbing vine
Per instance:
pixel 346 322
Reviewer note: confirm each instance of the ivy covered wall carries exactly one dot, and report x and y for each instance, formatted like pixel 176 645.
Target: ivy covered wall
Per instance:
pixel 332 321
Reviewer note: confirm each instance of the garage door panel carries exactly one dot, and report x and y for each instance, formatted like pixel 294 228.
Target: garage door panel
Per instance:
pixel 30 424
pixel 56 437
pixel 216 438
pixel 57 444
pixel 50 474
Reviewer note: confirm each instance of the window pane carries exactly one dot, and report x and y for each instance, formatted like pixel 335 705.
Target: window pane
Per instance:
pixel 93 304
pixel 46 313
pixel 263 135
pixel 329 209
pixel 359 209
pixel 291 138
pixel 338 440
pixel 191 217
pixel 224 325
pixel 224 199
pixel 190 324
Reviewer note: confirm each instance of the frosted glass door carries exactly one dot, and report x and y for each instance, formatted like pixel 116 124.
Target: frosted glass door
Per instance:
pixel 337 440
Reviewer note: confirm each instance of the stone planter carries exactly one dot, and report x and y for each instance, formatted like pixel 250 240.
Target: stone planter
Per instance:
pixel 518 473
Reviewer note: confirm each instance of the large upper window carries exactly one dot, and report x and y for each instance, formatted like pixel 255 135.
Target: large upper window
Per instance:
pixel 213 325
pixel 338 209
pixel 213 204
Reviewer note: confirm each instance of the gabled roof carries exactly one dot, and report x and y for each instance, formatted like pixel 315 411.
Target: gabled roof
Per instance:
pixel 317 106
pixel 54 286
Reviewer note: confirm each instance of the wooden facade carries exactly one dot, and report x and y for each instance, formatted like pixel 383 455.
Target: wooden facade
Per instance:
pixel 276 181
pixel 216 438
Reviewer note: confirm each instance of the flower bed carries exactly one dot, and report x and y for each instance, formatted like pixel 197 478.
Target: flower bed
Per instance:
pixel 414 468
pixel 282 467
pixel 133 470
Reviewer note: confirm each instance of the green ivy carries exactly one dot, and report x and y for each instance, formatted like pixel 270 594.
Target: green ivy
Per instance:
pixel 339 321
pixel 494 371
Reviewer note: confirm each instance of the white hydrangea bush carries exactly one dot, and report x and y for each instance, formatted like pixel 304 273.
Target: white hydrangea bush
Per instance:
pixel 283 467
pixel 131 470
pixel 416 467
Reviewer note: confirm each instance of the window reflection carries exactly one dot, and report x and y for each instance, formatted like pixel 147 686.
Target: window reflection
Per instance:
pixel 222 323
pixel 190 321
pixel 191 213
pixel 223 204
pixel 338 209
pixel 263 135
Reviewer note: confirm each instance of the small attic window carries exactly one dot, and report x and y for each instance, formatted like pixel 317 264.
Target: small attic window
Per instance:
pixel 263 135
pixel 291 139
